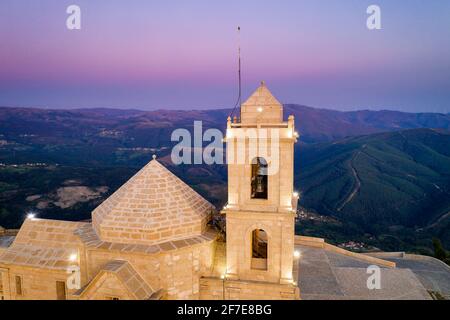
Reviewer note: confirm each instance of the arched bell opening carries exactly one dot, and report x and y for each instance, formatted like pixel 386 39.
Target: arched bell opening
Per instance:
pixel 259 180
pixel 259 249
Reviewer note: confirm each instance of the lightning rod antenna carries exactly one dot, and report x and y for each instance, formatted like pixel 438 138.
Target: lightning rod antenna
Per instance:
pixel 239 99
pixel 240 83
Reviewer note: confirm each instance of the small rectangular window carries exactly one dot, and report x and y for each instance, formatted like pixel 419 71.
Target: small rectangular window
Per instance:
pixel 60 290
pixel 19 285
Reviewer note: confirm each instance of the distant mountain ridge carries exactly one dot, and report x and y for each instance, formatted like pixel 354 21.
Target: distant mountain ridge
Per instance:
pixel 314 125
pixel 318 125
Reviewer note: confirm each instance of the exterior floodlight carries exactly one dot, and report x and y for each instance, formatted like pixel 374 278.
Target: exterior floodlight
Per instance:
pixel 31 215
pixel 73 257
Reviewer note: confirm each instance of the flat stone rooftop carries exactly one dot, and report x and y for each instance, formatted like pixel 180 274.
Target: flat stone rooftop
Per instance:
pixel 326 275
pixel 433 274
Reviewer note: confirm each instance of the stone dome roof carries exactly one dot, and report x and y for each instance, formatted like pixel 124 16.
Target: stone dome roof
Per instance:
pixel 153 206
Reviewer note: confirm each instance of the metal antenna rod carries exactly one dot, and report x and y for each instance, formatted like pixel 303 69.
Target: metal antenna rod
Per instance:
pixel 240 84
pixel 238 102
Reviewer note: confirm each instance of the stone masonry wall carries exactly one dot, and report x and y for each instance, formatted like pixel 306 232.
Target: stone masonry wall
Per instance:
pixel 37 284
pixel 177 272
pixel 218 289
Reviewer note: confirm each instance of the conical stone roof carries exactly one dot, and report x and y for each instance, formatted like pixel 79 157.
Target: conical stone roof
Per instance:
pixel 153 206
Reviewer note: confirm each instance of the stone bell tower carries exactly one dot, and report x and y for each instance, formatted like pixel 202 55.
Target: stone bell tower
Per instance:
pixel 261 201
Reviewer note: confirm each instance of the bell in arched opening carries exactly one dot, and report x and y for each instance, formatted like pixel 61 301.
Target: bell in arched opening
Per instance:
pixel 259 181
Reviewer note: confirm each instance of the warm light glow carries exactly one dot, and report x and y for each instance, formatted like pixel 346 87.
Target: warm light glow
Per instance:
pixel 229 134
pixel 31 215
pixel 297 254
pixel 222 276
pixel 296 133
pixel 289 134
pixel 260 109
pixel 295 194
pixel 73 257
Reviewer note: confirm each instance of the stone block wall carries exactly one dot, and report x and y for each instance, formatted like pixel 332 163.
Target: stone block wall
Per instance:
pixel 223 289
pixel 177 272
pixel 37 284
pixel 280 232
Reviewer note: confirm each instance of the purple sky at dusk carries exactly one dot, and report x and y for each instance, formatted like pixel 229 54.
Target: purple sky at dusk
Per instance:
pixel 182 54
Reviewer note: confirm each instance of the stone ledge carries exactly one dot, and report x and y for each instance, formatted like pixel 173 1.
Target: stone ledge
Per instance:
pixel 320 243
pixel 386 254
pixel 309 241
pixel 426 258
pixel 8 232
pixel 91 241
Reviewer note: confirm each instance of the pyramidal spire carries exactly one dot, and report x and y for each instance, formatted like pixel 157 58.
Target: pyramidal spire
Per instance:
pixel 262 106
pixel 152 198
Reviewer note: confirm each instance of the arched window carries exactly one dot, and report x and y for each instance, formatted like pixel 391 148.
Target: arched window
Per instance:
pixel 259 249
pixel 259 244
pixel 259 178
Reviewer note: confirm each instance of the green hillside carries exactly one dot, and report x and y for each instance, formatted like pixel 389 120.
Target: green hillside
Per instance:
pixel 392 182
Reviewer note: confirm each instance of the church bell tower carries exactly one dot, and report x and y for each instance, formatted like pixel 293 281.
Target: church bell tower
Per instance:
pixel 261 204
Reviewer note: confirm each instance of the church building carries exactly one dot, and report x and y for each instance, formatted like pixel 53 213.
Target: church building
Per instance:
pixel 152 238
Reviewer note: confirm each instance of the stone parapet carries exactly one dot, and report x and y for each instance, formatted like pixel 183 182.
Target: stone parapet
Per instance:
pixel 320 243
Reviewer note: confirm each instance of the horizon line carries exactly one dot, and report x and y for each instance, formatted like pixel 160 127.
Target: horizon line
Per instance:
pixel 175 109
